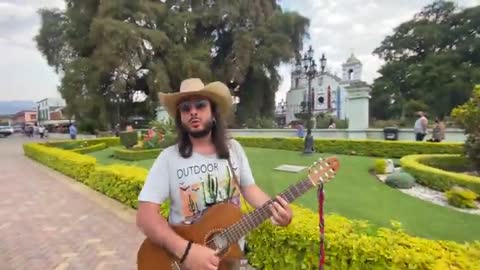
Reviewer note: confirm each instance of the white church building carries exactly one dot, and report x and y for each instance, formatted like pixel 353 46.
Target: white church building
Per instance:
pixel 329 92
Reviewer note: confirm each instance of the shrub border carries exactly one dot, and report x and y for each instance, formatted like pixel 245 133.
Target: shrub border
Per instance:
pixel 436 178
pixel 109 141
pixel 89 149
pixel 373 148
pixel 134 155
pixel 74 165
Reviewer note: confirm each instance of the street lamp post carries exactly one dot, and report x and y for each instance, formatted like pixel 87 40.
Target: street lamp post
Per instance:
pixel 117 100
pixel 310 70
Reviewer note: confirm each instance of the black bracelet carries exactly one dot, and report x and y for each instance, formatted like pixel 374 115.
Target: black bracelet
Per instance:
pixel 186 251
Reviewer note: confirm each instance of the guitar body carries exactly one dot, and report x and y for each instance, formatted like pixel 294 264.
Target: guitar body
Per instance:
pixel 214 220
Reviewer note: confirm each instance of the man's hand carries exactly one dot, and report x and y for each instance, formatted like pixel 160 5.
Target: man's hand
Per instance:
pixel 201 258
pixel 281 212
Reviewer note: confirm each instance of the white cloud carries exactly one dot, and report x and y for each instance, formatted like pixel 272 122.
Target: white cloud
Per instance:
pixel 335 19
pixel 23 70
pixel 9 11
pixel 359 28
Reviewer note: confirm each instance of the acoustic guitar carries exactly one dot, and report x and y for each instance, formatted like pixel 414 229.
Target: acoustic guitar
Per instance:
pixel 222 225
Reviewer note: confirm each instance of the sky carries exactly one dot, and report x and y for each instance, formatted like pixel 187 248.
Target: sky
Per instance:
pixel 337 28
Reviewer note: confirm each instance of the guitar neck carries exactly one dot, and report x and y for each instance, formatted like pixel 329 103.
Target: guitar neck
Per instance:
pixel 259 215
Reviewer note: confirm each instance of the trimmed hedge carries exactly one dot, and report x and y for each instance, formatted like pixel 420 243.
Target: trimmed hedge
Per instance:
pixel 436 178
pixel 91 148
pixel 109 141
pixel 374 148
pixel 349 244
pixel 120 182
pixel 134 155
pixel 455 163
pixel 75 165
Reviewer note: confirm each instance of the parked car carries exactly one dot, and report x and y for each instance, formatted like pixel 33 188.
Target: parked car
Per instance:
pixel 6 131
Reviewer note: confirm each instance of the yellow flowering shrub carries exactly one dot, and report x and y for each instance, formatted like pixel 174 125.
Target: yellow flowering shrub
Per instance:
pixel 75 165
pixel 352 244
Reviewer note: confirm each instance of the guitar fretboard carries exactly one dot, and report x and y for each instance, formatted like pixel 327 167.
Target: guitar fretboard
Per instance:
pixel 259 215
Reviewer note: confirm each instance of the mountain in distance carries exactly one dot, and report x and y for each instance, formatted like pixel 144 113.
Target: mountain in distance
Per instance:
pixel 14 106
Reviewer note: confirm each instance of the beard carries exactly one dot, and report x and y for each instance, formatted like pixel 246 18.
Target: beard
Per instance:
pixel 199 133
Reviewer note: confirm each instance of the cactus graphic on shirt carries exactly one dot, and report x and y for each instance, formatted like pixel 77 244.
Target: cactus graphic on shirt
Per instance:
pixel 229 183
pixel 192 205
pixel 212 190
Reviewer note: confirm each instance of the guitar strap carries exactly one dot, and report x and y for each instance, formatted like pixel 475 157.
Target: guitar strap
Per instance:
pixel 236 179
pixel 231 167
pixel 233 171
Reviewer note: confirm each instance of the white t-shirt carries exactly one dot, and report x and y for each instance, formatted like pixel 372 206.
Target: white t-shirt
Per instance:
pixel 195 183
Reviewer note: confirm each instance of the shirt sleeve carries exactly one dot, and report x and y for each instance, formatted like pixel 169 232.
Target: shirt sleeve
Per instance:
pixel 246 176
pixel 157 185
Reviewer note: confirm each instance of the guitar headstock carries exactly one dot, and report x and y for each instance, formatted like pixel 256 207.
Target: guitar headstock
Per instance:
pixel 323 170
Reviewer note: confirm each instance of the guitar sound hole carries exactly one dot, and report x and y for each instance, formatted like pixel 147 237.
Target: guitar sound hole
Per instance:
pixel 217 241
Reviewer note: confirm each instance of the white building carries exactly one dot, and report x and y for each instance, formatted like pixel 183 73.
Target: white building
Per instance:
pixel 47 106
pixel 328 91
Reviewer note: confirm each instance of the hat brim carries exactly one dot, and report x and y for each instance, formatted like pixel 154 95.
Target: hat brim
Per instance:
pixel 216 92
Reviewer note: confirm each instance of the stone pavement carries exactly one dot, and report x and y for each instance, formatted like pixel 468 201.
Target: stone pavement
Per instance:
pixel 48 221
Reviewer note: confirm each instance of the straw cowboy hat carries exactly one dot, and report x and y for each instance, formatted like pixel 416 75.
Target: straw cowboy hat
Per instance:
pixel 216 92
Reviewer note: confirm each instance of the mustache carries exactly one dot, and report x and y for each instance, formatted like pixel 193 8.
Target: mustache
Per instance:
pixel 193 119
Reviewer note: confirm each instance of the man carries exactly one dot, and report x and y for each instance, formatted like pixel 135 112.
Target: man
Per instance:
pixel 421 126
pixel 41 131
pixel 195 173
pixel 73 131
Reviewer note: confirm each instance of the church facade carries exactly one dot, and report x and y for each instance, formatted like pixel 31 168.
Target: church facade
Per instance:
pixel 328 92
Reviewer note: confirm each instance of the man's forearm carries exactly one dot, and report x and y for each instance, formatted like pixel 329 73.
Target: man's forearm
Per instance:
pixel 159 232
pixel 255 196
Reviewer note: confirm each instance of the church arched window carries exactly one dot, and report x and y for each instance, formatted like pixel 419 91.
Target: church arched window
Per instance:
pixel 350 74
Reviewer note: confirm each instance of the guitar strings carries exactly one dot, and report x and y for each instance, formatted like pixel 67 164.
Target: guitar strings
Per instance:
pixel 237 228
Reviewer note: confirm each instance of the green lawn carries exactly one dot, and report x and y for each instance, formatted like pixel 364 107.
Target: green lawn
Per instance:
pixel 354 193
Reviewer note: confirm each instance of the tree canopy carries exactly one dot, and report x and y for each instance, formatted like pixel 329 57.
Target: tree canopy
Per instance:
pixel 431 62
pixel 109 52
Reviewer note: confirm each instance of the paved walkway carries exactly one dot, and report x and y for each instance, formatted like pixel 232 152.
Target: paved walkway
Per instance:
pixel 48 221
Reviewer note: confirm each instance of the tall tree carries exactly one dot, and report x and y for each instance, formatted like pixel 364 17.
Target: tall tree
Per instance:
pixel 112 50
pixel 432 60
